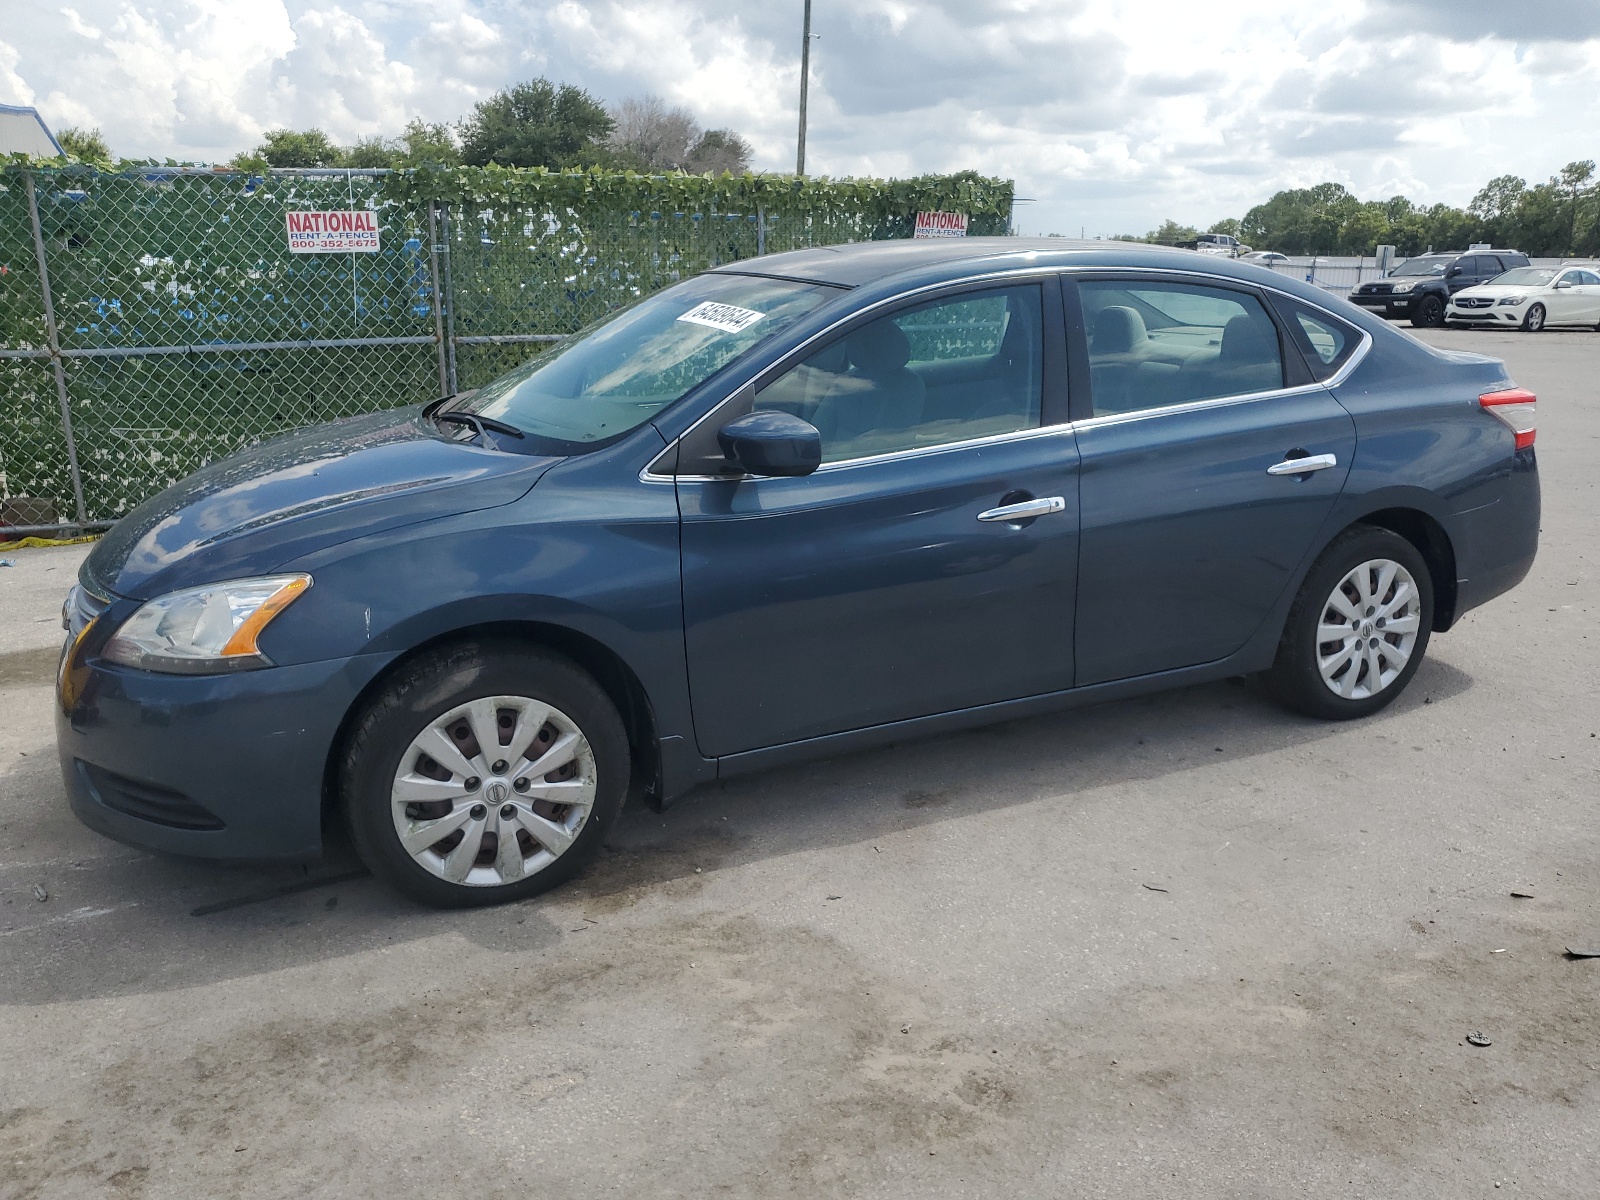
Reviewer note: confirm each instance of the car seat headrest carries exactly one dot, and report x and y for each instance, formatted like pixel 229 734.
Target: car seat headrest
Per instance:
pixel 879 349
pixel 1118 330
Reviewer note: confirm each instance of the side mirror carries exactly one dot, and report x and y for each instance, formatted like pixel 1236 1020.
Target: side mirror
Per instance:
pixel 1563 283
pixel 1456 270
pixel 771 443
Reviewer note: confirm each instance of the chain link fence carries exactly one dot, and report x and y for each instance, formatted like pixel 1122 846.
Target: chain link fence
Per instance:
pixel 154 320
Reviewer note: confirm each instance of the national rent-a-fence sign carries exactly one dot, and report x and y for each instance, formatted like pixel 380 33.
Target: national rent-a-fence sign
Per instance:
pixel 940 225
pixel 339 231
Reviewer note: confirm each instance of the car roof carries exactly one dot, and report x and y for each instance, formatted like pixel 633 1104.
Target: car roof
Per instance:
pixel 885 268
pixel 857 263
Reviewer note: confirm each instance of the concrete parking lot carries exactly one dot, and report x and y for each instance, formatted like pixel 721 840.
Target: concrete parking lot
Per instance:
pixel 1183 946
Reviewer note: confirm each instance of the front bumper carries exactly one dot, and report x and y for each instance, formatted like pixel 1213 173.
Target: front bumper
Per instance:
pixel 1507 315
pixel 1388 305
pixel 228 766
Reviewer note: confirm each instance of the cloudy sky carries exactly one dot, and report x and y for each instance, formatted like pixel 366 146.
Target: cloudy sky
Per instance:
pixel 1111 114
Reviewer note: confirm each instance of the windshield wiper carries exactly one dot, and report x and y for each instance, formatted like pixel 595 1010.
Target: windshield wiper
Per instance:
pixel 481 424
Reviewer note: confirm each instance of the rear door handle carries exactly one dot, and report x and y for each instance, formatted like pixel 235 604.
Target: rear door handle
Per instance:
pixel 1025 510
pixel 1304 466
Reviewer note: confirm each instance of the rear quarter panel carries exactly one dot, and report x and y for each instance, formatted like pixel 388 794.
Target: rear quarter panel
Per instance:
pixel 1423 442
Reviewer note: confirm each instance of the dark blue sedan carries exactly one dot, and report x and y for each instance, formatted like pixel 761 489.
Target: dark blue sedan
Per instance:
pixel 792 507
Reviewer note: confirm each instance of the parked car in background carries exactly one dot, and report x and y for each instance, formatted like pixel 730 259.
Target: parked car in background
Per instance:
pixel 1421 287
pixel 795 506
pixel 1531 298
pixel 1217 243
pixel 1265 258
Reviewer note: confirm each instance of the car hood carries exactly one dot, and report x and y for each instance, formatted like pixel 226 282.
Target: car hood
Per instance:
pixel 1492 291
pixel 250 513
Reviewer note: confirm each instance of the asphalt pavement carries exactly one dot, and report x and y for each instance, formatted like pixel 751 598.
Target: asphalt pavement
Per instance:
pixel 1185 946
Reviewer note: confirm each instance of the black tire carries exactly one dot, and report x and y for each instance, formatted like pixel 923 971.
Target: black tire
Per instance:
pixel 1428 313
pixel 1295 678
pixel 1534 321
pixel 429 688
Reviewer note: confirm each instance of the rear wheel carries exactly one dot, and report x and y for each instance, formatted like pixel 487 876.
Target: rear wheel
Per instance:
pixel 1358 629
pixel 483 773
pixel 1428 313
pixel 1534 321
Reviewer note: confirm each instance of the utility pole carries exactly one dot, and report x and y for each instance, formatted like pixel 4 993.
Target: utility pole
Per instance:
pixel 805 77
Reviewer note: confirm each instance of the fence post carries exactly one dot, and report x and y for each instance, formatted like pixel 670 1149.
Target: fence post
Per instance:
pixel 438 303
pixel 55 352
pixel 449 304
pixel 761 230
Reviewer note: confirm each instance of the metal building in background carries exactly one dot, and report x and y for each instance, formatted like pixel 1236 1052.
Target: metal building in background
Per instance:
pixel 23 131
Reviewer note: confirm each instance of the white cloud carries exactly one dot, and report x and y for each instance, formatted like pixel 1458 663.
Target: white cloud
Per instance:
pixel 1112 113
pixel 13 88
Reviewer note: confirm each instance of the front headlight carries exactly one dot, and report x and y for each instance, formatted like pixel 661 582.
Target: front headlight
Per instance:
pixel 1406 286
pixel 1513 299
pixel 205 630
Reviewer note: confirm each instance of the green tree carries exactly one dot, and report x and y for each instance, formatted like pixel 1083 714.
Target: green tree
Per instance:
pixel 85 146
pixel 369 153
pixel 1496 206
pixel 296 148
pixel 422 144
pixel 1537 225
pixel 536 124
pixel 1230 226
pixel 1301 220
pixel 1450 228
pixel 716 151
pixel 1570 182
pixel 1363 230
pixel 1171 233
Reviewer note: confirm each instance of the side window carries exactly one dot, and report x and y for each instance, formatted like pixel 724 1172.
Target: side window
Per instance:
pixel 962 367
pixel 1589 278
pixel 1325 343
pixel 1157 344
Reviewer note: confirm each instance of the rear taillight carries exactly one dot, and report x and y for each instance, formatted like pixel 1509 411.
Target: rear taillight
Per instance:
pixel 1515 407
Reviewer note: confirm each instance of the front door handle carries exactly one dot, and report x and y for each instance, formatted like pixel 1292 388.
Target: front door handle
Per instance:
pixel 1304 466
pixel 1025 510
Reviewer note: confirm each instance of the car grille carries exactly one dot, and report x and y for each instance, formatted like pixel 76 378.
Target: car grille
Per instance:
pixel 1375 289
pixel 147 801
pixel 1474 302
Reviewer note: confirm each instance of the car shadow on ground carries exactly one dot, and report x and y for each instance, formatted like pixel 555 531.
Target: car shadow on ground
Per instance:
pixel 119 921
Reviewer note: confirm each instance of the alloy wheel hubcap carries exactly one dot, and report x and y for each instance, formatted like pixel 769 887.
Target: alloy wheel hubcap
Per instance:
pixel 1368 629
pixel 493 791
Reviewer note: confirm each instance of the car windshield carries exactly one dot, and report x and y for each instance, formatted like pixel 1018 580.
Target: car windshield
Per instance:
pixel 1428 265
pixel 621 371
pixel 1527 276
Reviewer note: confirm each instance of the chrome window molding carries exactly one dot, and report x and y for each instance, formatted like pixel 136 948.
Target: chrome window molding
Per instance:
pixel 991 439
pixel 1030 272
pixel 1140 414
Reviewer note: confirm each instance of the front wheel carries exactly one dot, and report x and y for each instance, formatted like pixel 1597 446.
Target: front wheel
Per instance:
pixel 484 772
pixel 1534 321
pixel 1429 313
pixel 1358 629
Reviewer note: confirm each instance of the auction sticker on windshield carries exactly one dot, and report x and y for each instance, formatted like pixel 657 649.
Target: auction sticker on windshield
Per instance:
pixel 729 318
pixel 337 232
